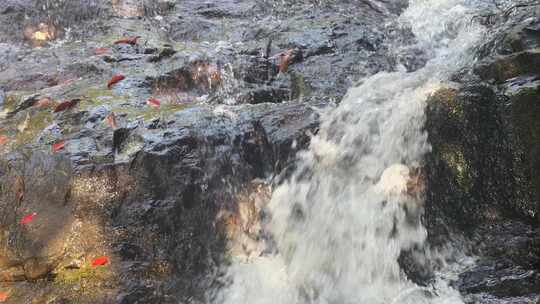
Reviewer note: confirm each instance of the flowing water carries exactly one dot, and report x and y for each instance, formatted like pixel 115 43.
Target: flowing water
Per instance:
pixel 339 224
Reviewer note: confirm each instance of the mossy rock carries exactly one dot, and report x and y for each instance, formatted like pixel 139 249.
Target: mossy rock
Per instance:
pixel 525 117
pixel 85 274
pixel 447 98
pixel 445 115
pixel 503 68
pixel 300 88
pixel 454 158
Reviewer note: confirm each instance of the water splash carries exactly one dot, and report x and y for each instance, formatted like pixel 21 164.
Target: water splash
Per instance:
pixel 339 224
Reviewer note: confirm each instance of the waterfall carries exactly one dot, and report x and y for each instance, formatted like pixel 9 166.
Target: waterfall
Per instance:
pixel 340 222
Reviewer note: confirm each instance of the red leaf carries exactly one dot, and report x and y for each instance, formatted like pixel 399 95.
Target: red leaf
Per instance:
pixel 153 102
pixel 43 102
pixel 58 146
pixel 111 120
pixel 3 139
pixel 3 296
pixel 28 218
pixel 64 106
pixel 101 51
pixel 128 40
pixel 115 79
pixel 284 61
pixel 100 261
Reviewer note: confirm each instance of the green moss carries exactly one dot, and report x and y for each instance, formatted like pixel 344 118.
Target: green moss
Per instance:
pixel 454 158
pixel 448 98
pixel 164 111
pixel 101 159
pixel 83 285
pixel 299 87
pixel 38 121
pixel 97 96
pixel 11 101
pixel 100 96
pixel 83 277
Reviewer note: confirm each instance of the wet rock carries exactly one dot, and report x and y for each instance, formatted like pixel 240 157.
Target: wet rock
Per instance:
pixel 36 269
pixel 150 194
pixel 264 94
pixel 483 168
pixel 506 67
pixel 521 116
pixel 314 42
pixel 469 142
pixel 225 9
pixel 163 53
pixel 25 103
pixel 140 294
pixel 12 274
pixel 509 282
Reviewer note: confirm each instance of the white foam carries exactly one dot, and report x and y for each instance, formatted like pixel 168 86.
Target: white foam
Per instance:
pixel 339 223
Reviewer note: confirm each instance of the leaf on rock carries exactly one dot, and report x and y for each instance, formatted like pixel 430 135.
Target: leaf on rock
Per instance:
pixel 128 40
pixel 100 261
pixel 153 102
pixel 4 296
pixel 284 61
pixel 101 51
pixel 65 105
pixel 43 102
pixel 3 140
pixel 114 80
pixel 28 218
pixel 111 120
pixel 58 146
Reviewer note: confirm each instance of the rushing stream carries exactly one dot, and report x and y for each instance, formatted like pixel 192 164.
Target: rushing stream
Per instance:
pixel 188 151
pixel 339 224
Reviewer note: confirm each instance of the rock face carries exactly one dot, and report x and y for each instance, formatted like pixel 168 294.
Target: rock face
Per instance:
pixel 160 191
pixel 164 192
pixel 483 176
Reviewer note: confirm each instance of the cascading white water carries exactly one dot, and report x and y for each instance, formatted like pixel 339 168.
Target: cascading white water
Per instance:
pixel 341 221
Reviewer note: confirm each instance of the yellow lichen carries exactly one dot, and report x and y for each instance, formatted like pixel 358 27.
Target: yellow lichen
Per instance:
pixel 454 157
pixel 447 97
pixel 36 123
pixel 82 278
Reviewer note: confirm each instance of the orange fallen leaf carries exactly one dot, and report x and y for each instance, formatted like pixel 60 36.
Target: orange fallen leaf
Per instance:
pixel 153 102
pixel 4 296
pixel 65 105
pixel 43 102
pixel 28 218
pixel 111 120
pixel 215 75
pixel 3 139
pixel 284 61
pixel 128 40
pixel 114 80
pixel 101 51
pixel 100 261
pixel 58 146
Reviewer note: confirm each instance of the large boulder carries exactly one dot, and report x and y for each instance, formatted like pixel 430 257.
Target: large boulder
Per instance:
pixel 483 168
